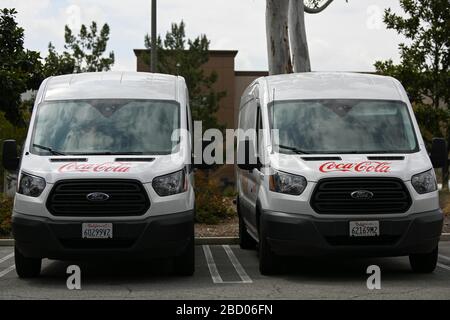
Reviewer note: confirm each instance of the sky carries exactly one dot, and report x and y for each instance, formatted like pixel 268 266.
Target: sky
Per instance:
pixel 346 37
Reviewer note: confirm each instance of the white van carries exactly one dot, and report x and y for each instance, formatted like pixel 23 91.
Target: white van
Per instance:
pixel 101 174
pixel 340 168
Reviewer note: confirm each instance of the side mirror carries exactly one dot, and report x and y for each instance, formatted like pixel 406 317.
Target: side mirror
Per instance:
pixel 439 153
pixel 10 159
pixel 203 165
pixel 247 159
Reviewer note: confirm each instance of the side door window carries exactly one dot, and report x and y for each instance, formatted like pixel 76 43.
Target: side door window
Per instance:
pixel 259 133
pixel 190 129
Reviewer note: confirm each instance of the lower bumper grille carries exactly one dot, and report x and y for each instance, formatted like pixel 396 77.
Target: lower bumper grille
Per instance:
pixel 363 241
pixel 97 244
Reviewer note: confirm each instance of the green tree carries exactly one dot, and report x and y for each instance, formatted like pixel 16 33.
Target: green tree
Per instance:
pixel 58 64
pixel 424 67
pixel 185 57
pixel 87 49
pixel 20 69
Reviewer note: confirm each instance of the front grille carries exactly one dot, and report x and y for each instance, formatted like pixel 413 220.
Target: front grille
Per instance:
pixel 97 244
pixel 333 196
pixel 363 241
pixel 126 198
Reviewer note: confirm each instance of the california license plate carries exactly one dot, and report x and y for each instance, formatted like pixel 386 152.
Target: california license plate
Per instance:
pixel 364 228
pixel 97 231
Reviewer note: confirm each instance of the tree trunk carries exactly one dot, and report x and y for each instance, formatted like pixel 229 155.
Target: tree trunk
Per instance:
pixel 278 37
pixel 297 35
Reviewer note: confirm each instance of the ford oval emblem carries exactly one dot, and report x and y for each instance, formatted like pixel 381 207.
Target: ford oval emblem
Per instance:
pixel 362 195
pixel 97 197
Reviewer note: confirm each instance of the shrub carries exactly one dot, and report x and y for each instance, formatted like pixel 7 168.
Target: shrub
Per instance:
pixel 211 206
pixel 230 192
pixel 6 207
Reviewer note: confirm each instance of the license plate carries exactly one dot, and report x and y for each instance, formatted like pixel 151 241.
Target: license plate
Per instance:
pixel 364 228
pixel 97 231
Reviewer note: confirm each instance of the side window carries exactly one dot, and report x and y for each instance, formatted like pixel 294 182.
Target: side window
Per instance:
pixel 190 129
pixel 189 124
pixel 259 132
pixel 248 116
pixel 251 118
pixel 247 120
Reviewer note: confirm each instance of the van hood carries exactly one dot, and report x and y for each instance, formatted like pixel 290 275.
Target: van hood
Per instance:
pixel 143 169
pixel 316 167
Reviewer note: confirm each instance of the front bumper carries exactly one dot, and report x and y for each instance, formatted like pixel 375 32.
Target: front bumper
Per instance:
pixel 156 237
pixel 293 234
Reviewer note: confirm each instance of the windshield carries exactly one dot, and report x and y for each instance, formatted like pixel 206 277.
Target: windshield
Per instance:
pixel 343 126
pixel 91 127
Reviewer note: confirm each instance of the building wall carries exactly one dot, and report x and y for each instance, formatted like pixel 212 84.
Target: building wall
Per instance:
pixel 221 62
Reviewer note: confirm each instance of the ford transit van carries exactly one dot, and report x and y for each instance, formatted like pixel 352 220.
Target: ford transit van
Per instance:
pixel 103 172
pixel 338 167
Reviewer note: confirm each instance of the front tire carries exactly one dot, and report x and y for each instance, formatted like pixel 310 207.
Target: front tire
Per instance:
pixel 26 267
pixel 424 263
pixel 185 264
pixel 268 261
pixel 246 241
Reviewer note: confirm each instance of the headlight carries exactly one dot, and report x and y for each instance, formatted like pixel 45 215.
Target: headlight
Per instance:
pixel 287 183
pixel 170 184
pixel 31 186
pixel 424 182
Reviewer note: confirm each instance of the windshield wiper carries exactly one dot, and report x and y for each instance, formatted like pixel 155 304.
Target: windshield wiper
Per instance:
pixel 111 153
pixel 53 152
pixel 293 149
pixel 362 152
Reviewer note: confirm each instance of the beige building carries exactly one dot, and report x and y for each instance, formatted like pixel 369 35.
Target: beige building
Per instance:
pixel 229 80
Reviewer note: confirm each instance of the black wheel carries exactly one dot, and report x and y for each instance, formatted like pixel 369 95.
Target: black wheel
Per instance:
pixel 424 263
pixel 184 265
pixel 268 261
pixel 26 267
pixel 246 241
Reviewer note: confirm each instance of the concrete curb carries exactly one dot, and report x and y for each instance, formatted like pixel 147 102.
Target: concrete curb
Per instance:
pixel 6 242
pixel 216 241
pixel 202 241
pixel 198 241
pixel 445 237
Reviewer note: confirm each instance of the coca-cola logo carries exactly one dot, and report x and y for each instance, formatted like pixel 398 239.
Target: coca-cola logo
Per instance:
pixel 367 166
pixel 108 167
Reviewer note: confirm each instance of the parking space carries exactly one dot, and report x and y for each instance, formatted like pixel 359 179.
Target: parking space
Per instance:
pixel 227 272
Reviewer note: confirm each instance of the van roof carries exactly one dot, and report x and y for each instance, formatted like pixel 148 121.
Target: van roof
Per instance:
pixel 112 85
pixel 333 85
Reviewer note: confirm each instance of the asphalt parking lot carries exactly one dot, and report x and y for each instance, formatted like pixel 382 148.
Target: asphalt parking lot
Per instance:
pixel 227 272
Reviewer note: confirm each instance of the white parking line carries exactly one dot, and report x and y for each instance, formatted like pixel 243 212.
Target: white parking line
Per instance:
pixel 239 269
pixel 444 257
pixel 9 256
pixel 212 265
pixel 7 270
pixel 443 266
